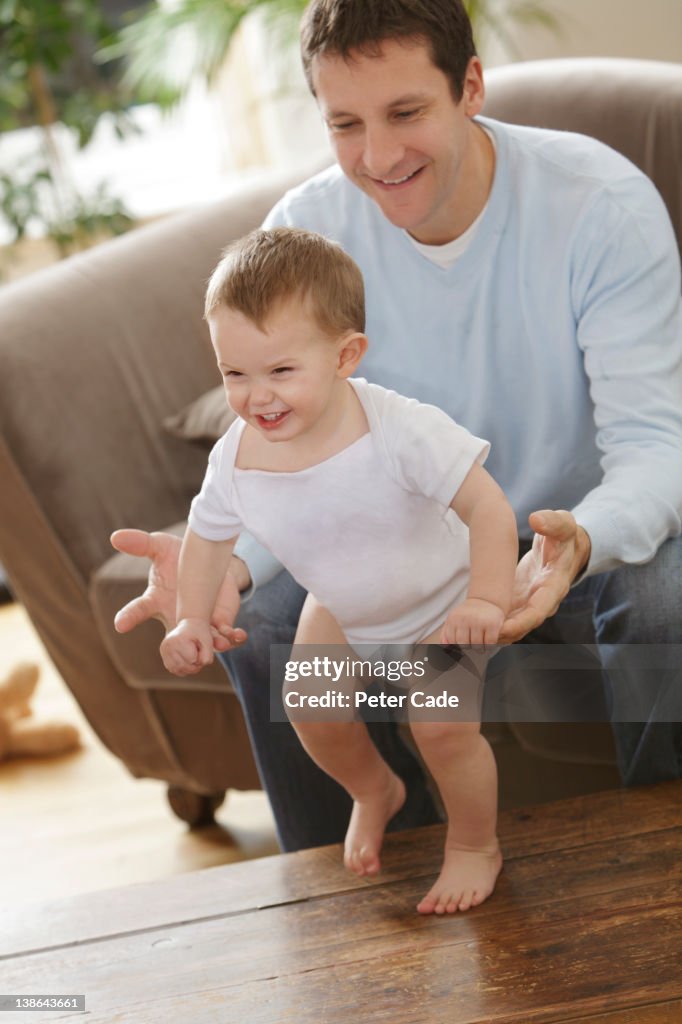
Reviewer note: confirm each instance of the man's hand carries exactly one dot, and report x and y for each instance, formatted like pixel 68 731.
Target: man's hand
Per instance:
pixel 561 549
pixel 159 599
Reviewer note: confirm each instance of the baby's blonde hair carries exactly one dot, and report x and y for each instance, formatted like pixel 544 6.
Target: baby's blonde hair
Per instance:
pixel 267 267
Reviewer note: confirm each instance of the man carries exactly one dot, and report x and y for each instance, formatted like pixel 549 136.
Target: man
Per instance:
pixel 528 283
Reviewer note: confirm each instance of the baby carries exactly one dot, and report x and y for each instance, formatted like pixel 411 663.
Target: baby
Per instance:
pixel 378 505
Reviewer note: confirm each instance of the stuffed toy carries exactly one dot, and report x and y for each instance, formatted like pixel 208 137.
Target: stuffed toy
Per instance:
pixel 20 734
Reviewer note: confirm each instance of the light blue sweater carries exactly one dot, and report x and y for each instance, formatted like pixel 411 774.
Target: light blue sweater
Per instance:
pixel 557 336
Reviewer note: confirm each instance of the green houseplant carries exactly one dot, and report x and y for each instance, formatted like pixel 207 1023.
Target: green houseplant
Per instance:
pixel 47 81
pixel 202 31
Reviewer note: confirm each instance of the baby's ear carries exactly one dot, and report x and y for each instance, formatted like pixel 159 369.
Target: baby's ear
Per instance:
pixel 351 352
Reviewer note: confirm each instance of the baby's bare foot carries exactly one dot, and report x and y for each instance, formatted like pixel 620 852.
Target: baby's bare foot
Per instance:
pixel 467 878
pixel 368 821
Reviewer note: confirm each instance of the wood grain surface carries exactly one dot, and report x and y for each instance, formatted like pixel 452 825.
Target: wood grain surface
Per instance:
pixel 585 925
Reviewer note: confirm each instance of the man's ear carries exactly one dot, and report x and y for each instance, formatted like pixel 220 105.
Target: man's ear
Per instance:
pixel 473 92
pixel 353 348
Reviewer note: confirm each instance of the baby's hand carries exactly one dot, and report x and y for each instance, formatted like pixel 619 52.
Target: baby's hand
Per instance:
pixel 188 647
pixel 473 623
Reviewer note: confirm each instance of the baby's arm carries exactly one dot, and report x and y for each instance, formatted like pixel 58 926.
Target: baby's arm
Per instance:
pixel 493 548
pixel 202 568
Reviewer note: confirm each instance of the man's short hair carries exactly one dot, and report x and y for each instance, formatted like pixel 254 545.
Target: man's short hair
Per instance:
pixel 268 267
pixel 340 27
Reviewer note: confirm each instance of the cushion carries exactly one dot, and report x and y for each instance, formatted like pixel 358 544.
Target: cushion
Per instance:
pixel 203 421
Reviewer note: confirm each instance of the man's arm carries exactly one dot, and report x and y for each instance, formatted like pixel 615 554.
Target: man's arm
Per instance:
pixel 252 565
pixel 626 295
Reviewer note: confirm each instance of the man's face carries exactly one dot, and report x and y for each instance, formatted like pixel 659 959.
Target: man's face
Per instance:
pixel 399 135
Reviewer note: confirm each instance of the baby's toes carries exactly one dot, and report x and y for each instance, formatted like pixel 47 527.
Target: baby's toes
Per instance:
pixel 427 904
pixel 448 902
pixel 465 900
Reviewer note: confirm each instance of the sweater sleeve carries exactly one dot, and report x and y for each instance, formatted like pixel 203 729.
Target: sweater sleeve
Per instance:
pixel 626 295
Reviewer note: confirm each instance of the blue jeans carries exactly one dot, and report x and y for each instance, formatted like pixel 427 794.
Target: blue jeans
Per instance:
pixel 631 605
pixel 642 605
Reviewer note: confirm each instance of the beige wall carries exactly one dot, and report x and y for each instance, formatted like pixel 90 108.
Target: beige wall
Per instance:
pixel 648 29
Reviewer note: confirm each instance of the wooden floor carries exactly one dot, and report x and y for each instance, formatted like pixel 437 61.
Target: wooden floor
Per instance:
pixel 81 823
pixel 584 928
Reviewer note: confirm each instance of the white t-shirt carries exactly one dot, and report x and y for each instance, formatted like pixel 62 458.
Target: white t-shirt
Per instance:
pixel 368 531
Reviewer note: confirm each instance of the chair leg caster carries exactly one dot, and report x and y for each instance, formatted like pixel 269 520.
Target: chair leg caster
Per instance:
pixel 197 809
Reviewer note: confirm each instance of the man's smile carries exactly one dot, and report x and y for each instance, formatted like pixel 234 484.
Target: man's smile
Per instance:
pixel 394 183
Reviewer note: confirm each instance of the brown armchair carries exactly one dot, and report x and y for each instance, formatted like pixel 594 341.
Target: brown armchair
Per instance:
pixel 98 351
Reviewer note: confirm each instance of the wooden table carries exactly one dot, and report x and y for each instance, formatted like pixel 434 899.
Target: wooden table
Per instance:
pixel 585 926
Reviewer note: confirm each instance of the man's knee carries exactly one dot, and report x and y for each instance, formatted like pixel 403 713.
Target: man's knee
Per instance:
pixel 642 603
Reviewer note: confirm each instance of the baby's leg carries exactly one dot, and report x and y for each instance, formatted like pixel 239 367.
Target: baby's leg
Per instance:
pixel 463 766
pixel 343 747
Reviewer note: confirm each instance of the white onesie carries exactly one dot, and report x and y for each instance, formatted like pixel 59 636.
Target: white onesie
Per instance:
pixel 368 531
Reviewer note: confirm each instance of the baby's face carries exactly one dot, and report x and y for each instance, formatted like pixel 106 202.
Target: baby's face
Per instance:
pixel 281 380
